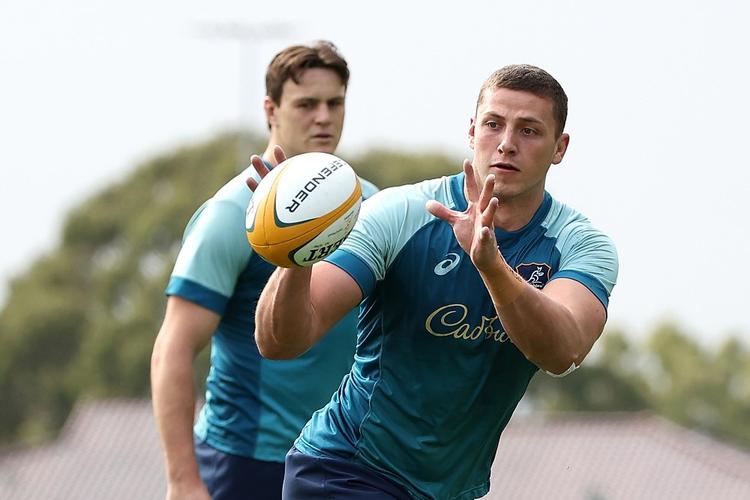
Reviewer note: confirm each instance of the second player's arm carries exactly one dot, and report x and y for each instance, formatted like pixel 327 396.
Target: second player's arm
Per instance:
pixel 299 305
pixel 186 330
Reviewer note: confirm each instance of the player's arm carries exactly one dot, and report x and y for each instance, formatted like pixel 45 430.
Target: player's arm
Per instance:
pixel 299 305
pixel 186 330
pixel 556 327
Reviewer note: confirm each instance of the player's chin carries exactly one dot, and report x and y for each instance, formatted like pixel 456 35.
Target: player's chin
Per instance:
pixel 502 191
pixel 498 189
pixel 322 145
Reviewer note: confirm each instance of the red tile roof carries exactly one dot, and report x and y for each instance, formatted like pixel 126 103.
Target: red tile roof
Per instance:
pixel 110 450
pixel 615 456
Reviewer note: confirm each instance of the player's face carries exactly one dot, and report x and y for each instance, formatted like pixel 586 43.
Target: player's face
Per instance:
pixel 513 137
pixel 310 116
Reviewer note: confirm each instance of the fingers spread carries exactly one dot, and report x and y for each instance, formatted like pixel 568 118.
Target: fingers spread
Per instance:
pixel 487 189
pixel 485 253
pixel 485 235
pixel 472 191
pixel 488 214
pixel 441 211
pixel 278 154
pixel 259 166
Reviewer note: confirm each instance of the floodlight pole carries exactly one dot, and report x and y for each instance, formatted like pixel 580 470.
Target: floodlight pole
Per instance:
pixel 248 36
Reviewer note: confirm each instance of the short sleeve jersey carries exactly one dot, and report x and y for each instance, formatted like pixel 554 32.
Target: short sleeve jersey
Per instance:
pixel 435 378
pixel 254 407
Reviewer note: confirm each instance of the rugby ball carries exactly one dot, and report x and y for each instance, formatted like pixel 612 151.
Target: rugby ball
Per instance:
pixel 303 209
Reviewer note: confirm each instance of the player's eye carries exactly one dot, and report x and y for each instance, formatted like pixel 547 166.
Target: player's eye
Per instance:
pixel 491 124
pixel 528 131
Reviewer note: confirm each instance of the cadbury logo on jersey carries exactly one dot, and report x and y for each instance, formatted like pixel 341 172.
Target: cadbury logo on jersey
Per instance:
pixel 450 320
pixel 535 274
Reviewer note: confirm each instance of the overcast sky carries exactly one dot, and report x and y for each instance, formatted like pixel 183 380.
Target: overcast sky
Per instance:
pixel 658 115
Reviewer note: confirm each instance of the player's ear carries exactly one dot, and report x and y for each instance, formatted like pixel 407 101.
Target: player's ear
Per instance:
pixel 560 148
pixel 269 108
pixel 471 132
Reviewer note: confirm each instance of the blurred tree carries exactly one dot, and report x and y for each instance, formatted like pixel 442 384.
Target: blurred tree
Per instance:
pixel 701 388
pixel 82 320
pixel 604 384
pixel 391 168
pixel 43 324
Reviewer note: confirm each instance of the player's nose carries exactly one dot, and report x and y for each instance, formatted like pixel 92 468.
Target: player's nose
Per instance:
pixel 506 145
pixel 323 113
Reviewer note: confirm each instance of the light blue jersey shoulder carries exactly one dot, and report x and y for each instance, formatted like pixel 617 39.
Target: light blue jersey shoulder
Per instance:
pixel 214 250
pixel 436 377
pixel 586 254
pixel 387 222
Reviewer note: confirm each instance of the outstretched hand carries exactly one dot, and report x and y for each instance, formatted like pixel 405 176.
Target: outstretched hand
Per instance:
pixel 474 228
pixel 260 167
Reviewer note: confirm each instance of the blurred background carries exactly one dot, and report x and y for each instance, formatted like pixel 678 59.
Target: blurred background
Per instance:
pixel 117 121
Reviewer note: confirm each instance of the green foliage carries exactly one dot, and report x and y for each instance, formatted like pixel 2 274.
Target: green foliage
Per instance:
pixel 391 168
pixel 82 320
pixel 700 388
pixel 603 385
pixel 43 324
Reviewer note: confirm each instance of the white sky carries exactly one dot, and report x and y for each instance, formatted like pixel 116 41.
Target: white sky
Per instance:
pixel 658 115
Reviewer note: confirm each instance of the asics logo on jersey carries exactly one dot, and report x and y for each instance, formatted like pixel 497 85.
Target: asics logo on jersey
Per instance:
pixel 449 262
pixel 449 321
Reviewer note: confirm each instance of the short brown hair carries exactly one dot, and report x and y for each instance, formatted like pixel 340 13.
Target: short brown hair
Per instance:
pixel 528 78
pixel 293 61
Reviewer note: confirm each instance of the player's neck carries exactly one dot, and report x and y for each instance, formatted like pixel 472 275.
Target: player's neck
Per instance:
pixel 515 212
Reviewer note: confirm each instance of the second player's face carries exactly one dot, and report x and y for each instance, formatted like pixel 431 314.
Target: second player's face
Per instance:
pixel 513 137
pixel 310 116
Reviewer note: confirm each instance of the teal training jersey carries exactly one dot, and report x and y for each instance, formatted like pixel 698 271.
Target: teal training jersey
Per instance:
pixel 254 407
pixel 435 378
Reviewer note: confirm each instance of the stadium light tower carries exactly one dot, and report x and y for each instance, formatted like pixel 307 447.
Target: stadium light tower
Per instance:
pixel 248 37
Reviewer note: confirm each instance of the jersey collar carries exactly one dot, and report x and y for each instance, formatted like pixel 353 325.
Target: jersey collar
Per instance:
pixel 457 190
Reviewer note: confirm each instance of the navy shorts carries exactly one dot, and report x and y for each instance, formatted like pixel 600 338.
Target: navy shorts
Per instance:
pixel 334 479
pixel 232 477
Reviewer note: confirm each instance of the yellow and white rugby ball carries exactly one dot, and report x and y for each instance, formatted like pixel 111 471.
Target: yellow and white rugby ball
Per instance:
pixel 303 209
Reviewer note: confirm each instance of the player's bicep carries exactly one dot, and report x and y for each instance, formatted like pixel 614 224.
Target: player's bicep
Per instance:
pixel 333 293
pixel 588 312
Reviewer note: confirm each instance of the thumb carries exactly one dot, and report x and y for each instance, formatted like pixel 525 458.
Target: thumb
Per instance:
pixel 440 211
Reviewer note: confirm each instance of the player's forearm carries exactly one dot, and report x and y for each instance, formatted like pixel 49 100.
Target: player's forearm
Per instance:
pixel 544 330
pixel 173 396
pixel 285 324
